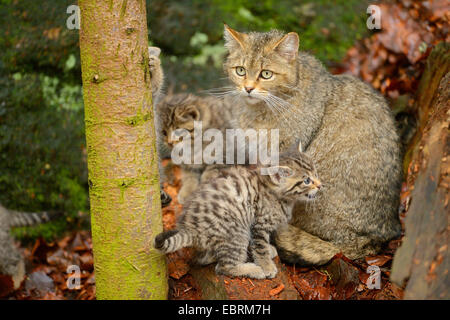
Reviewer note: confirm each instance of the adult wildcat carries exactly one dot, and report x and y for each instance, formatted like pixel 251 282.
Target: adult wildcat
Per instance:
pixel 345 126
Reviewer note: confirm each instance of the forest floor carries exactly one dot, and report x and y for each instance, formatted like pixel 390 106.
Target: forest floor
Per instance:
pixel 342 278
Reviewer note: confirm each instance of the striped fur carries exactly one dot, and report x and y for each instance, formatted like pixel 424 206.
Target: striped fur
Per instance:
pixel 157 81
pixel 22 219
pixel 16 219
pixel 235 214
pixel 173 240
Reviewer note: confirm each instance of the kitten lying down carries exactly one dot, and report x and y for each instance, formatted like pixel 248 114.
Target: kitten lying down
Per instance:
pixel 236 213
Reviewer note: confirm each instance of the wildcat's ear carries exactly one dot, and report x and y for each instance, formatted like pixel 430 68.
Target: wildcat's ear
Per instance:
pixel 233 39
pixel 189 113
pixel 288 46
pixel 154 51
pixel 278 173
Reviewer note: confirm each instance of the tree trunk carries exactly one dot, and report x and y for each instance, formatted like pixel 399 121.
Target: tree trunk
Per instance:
pixel 423 258
pixel 120 134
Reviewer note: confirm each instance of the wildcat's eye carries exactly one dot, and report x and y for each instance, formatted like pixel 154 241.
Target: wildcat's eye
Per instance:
pixel 240 71
pixel 266 74
pixel 307 181
pixel 164 132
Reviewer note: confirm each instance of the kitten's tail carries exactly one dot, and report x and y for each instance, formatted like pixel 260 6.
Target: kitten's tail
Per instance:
pixel 172 240
pixel 297 246
pixel 24 219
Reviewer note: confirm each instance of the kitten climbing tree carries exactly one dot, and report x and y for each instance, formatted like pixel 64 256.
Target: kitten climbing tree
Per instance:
pixel 120 134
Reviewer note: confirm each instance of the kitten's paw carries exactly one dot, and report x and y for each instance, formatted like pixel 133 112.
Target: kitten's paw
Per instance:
pixel 153 57
pixel 273 251
pixel 181 199
pixel 248 269
pixel 154 63
pixel 269 268
pixel 210 175
pixel 184 193
pixel 165 199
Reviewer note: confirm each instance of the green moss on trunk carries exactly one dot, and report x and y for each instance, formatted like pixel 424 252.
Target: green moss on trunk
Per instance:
pixel 120 135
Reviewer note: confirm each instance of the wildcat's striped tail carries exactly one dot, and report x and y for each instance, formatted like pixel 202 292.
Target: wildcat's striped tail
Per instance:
pixel 297 246
pixel 25 219
pixel 172 240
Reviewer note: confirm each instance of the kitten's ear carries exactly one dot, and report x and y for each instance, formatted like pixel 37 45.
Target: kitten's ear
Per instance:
pixel 278 173
pixel 296 146
pixel 233 39
pixel 288 46
pixel 188 113
pixel 154 51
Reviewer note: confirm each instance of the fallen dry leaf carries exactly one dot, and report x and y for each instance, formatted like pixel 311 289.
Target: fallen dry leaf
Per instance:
pixel 379 261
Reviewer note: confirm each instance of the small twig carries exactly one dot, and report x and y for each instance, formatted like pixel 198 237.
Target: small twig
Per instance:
pixel 324 272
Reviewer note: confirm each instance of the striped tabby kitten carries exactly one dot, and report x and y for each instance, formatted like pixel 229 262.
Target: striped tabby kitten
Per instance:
pixel 237 212
pixel 179 112
pixel 157 81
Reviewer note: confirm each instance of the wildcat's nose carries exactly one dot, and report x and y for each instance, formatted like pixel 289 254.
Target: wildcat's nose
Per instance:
pixel 319 185
pixel 249 89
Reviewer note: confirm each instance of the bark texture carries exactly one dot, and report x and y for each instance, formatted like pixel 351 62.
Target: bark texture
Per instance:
pixel 122 161
pixel 423 258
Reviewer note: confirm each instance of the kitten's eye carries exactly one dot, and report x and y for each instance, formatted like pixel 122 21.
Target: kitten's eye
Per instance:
pixel 266 74
pixel 178 133
pixel 240 71
pixel 307 181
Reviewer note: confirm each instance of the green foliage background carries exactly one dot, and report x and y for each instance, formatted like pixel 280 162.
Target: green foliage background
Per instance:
pixel 42 144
